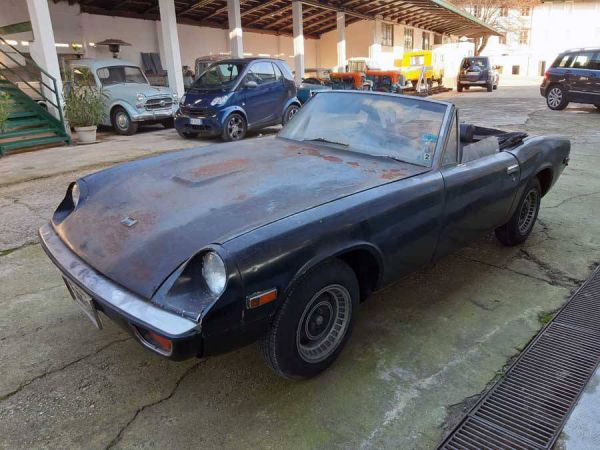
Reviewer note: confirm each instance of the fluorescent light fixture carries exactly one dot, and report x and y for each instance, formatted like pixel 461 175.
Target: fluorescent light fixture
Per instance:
pixel 61 45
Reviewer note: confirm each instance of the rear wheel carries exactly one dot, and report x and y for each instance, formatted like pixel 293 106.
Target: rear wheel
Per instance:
pixel 289 113
pixel 122 123
pixel 235 128
pixel 518 228
pixel 314 322
pixel 556 98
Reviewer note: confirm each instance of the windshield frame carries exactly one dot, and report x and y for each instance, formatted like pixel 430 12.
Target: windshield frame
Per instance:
pixel 441 140
pixel 224 87
pixel 120 82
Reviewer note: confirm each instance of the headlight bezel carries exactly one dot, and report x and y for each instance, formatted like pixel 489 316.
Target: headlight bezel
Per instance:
pixel 140 97
pixel 220 101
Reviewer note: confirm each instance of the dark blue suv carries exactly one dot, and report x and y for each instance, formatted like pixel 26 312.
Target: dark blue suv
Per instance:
pixel 573 77
pixel 236 95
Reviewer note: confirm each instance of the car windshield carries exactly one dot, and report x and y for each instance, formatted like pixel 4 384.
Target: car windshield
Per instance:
pixel 219 75
pixel 475 62
pixel 401 128
pixel 120 74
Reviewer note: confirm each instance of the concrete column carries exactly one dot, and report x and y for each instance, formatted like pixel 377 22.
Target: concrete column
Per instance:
pixel 298 41
pixel 341 41
pixel 43 48
pixel 375 47
pixel 170 41
pixel 236 43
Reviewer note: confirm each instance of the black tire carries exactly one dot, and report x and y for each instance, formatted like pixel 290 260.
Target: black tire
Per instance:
pixel 235 128
pixel 556 98
pixel 459 87
pixel 597 106
pixel 187 134
pixel 496 86
pixel 467 87
pixel 122 123
pixel 289 113
pixel 490 86
pixel 518 228
pixel 168 123
pixel 328 294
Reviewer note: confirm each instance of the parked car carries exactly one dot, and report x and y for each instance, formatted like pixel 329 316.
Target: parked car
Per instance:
pixel 350 81
pixel 278 239
pixel 309 87
pixel 236 95
pixel 477 71
pixel 130 100
pixel 574 76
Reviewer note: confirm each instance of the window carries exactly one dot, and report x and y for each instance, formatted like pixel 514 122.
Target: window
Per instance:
pixel 502 39
pixel 563 61
pixel 582 60
pixel 594 63
pixel 504 11
pixel 516 70
pixel 409 39
pixel 426 42
pixel 524 37
pixel 387 34
pixel 451 152
pixel 261 72
pixel 219 75
pixel 120 74
pixel 526 11
pixel 476 10
pixel 83 77
pixel 278 74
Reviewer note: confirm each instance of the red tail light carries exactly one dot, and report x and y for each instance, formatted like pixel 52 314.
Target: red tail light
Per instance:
pixel 546 75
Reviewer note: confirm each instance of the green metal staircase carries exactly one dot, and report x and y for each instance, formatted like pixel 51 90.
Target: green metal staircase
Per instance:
pixel 29 123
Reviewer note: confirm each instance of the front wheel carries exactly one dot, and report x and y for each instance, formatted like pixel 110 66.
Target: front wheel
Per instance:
pixel 314 322
pixel 518 228
pixel 122 123
pixel 490 86
pixel 556 98
pixel 289 113
pixel 235 128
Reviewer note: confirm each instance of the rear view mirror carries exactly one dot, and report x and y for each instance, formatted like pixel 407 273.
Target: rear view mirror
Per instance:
pixel 251 84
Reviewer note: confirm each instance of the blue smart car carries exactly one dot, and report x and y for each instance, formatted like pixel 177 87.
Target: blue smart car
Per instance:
pixel 236 95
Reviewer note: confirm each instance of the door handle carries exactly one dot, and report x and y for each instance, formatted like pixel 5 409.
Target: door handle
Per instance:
pixel 512 169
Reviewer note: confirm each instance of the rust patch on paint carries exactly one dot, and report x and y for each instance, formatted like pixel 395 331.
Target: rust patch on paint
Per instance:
pixel 221 168
pixel 353 164
pixel 390 174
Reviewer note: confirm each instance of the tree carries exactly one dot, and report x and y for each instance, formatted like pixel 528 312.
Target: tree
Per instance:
pixel 497 14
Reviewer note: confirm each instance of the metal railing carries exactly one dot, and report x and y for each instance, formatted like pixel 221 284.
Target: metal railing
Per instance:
pixel 50 94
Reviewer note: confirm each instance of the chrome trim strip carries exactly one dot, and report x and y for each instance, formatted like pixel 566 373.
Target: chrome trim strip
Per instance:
pixel 106 291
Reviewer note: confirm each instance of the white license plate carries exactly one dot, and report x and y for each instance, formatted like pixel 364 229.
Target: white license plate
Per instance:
pixel 85 302
pixel 473 74
pixel 195 121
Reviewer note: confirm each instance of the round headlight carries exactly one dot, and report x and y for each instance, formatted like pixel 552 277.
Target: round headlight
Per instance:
pixel 214 273
pixel 140 97
pixel 75 194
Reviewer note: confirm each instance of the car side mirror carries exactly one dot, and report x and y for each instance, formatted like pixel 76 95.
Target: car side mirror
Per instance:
pixel 251 84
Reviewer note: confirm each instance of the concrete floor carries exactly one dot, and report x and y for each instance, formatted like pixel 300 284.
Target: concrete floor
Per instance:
pixel 422 350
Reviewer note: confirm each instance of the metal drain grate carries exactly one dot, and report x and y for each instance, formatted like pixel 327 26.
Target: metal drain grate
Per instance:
pixel 528 406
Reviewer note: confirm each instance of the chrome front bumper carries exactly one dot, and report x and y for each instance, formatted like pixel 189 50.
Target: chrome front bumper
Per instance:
pixel 158 114
pixel 127 305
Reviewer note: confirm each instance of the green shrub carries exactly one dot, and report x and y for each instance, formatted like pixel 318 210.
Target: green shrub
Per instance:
pixel 4 99
pixel 84 102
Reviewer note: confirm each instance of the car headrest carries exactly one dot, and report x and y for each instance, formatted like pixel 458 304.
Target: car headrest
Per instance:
pixel 467 132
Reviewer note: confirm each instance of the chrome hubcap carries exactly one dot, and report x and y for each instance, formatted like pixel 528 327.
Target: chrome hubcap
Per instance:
pixel 528 211
pixel 122 120
pixel 323 323
pixel 292 113
pixel 554 97
pixel 235 127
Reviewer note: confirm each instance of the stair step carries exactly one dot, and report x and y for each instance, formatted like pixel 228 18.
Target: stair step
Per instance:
pixel 23 123
pixel 9 146
pixel 21 114
pixel 27 132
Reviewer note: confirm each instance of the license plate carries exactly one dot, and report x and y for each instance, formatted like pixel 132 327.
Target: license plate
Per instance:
pixel 473 74
pixel 85 302
pixel 195 121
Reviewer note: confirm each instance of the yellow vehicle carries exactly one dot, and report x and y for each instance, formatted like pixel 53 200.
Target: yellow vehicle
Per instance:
pixel 412 63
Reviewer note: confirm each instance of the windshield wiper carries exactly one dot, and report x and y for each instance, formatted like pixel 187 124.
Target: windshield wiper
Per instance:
pixel 325 141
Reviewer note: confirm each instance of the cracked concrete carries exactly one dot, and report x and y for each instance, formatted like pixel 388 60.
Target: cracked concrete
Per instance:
pixel 422 351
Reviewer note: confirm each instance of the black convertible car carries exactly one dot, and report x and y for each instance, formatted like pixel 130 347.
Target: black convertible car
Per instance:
pixel 199 251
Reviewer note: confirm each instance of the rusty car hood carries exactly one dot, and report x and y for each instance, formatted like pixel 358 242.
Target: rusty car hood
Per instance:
pixel 138 221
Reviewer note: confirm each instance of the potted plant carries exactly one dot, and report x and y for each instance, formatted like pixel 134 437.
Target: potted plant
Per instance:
pixel 84 108
pixel 4 103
